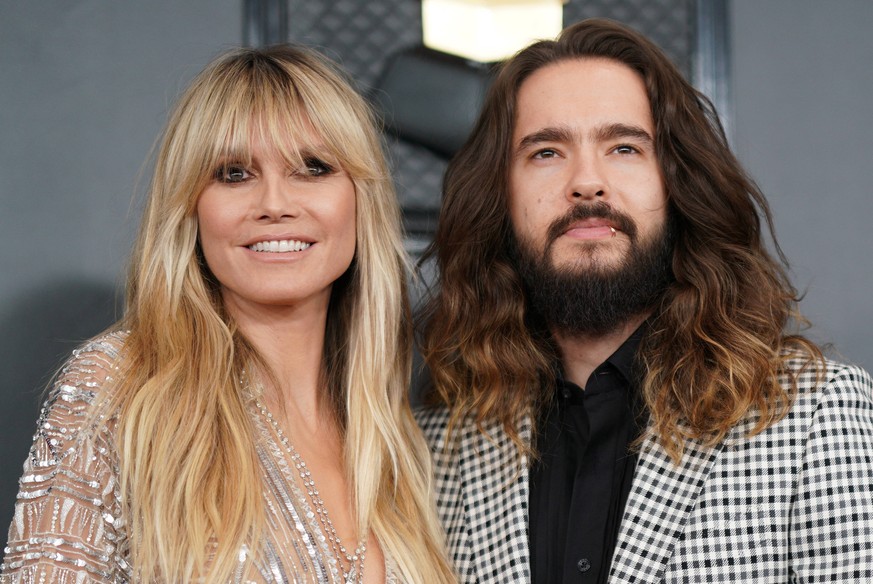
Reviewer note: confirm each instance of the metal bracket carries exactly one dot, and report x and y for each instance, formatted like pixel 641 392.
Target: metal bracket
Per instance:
pixel 265 22
pixel 712 66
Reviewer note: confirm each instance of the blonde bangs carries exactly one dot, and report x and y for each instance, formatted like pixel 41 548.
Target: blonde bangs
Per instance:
pixel 293 107
pixel 338 121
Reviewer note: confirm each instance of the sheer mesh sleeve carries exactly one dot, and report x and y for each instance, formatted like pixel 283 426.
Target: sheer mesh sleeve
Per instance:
pixel 67 526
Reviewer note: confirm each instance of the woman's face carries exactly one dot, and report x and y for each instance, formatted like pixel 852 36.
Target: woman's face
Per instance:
pixel 274 235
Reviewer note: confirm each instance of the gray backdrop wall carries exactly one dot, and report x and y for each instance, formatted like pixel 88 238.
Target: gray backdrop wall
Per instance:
pixel 85 88
pixel 803 81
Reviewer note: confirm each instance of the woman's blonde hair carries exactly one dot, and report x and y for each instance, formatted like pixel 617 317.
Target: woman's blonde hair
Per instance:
pixel 189 475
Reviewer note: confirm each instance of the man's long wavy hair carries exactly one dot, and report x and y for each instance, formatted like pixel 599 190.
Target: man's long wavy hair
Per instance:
pixel 717 341
pixel 189 476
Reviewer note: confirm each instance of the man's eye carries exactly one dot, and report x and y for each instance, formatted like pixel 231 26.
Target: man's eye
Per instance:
pixel 626 149
pixel 316 167
pixel 232 173
pixel 545 153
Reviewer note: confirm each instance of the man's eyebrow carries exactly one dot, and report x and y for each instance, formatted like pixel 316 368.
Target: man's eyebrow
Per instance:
pixel 551 134
pixel 564 134
pixel 614 131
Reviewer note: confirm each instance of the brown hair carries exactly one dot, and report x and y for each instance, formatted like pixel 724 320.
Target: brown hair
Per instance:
pixel 717 340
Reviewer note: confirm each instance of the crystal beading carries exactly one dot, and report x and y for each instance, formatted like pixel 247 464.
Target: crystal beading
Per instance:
pixel 353 568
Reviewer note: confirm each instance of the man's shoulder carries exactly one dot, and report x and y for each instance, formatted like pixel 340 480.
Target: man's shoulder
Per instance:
pixel 827 393
pixel 434 423
pixel 432 415
pixel 444 434
pixel 847 385
pixel 818 381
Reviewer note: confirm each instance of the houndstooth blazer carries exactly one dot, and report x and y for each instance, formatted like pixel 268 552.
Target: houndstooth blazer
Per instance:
pixel 793 503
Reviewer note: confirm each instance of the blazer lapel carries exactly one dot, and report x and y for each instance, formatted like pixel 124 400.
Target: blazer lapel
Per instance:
pixel 661 498
pixel 495 487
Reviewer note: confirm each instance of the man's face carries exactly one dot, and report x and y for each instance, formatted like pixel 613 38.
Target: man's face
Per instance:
pixel 584 138
pixel 586 197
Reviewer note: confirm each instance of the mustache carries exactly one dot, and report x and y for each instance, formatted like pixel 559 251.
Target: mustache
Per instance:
pixel 599 210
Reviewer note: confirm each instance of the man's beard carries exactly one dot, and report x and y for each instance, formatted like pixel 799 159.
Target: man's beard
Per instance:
pixel 594 299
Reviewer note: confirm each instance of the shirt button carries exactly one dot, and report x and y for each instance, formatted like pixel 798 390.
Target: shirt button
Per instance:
pixel 584 565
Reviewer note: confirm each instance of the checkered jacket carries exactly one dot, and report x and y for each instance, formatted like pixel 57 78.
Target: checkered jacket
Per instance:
pixel 792 504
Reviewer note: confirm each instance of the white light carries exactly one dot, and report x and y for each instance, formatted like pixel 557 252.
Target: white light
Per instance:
pixel 488 30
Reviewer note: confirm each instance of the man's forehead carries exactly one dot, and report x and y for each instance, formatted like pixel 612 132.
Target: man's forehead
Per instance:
pixel 577 95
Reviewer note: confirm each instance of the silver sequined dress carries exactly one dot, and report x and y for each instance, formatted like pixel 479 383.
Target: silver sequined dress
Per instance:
pixel 68 527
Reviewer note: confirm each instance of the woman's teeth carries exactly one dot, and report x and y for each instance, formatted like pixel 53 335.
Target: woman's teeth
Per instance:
pixel 280 246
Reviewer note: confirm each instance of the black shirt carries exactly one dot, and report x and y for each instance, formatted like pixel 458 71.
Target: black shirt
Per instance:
pixel 580 483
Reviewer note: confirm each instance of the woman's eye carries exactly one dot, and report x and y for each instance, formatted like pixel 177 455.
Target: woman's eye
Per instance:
pixel 232 173
pixel 316 167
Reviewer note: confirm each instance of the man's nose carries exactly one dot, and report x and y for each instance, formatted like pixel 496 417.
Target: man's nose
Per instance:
pixel 587 179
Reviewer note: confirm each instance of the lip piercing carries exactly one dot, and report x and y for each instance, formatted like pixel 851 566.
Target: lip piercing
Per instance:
pixel 613 231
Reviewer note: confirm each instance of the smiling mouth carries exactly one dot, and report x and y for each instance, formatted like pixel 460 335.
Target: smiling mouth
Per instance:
pixel 280 246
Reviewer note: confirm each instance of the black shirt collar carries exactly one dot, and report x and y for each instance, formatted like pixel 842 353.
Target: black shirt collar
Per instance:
pixel 623 360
